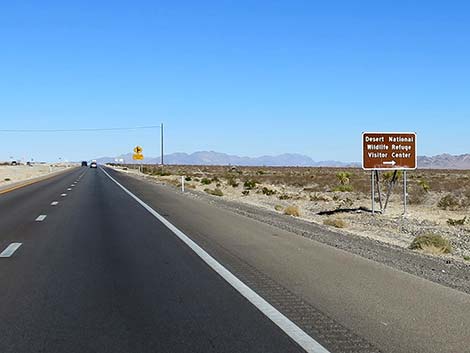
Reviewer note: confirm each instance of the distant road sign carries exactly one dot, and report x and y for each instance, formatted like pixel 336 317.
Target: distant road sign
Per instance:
pixel 138 149
pixel 138 156
pixel 389 150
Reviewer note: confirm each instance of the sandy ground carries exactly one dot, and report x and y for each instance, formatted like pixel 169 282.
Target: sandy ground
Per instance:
pixel 13 174
pixel 392 227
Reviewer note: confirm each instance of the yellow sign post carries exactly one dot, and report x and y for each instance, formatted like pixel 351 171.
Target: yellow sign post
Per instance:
pixel 138 156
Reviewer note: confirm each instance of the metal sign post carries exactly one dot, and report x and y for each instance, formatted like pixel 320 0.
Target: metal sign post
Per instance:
pixel 372 183
pixel 182 183
pixel 405 193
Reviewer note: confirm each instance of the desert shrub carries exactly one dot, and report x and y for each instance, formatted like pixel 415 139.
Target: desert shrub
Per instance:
pixel 343 177
pixel 456 222
pixel 319 197
pixel 278 207
pixel 433 243
pixel 424 185
pixel 387 176
pixel 250 184
pixel 284 197
pixel 292 211
pixel 343 188
pixel 7 179
pixel 416 195
pixel 206 181
pixel 448 202
pixel 245 192
pixel 215 192
pixel 345 203
pixel 335 222
pixel 232 182
pixel 466 258
pixel 215 179
pixel 268 192
pixel 218 185
pixel 260 172
pixel 188 178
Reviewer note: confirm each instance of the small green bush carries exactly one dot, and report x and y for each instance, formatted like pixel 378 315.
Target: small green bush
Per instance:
pixel 424 185
pixel 448 202
pixel 245 192
pixel 284 197
pixel 215 192
pixel 278 207
pixel 7 179
pixel 431 241
pixel 456 222
pixel 268 192
pixel 250 184
pixel 343 177
pixel 188 179
pixel 206 181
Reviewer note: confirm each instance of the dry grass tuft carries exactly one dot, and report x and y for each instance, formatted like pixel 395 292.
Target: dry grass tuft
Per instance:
pixel 335 222
pixel 292 211
pixel 431 243
pixel 215 192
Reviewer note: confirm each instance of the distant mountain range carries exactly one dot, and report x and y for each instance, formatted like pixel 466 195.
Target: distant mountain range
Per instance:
pixel 217 158
pixel 443 161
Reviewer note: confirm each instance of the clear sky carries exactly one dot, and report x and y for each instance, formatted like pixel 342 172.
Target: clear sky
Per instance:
pixel 242 77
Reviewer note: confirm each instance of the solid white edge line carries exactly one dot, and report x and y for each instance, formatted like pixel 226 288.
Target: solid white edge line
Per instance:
pixel 41 218
pixel 10 249
pixel 286 325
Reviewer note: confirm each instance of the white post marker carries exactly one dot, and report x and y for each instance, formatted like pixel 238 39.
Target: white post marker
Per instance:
pixel 182 183
pixel 280 320
pixel 10 250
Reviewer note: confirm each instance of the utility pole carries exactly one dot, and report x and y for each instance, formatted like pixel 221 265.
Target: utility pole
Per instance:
pixel 161 147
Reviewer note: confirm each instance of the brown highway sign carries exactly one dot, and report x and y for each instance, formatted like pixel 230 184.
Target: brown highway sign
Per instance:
pixel 389 150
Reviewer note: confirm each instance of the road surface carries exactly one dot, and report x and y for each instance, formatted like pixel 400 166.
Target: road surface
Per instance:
pixel 87 268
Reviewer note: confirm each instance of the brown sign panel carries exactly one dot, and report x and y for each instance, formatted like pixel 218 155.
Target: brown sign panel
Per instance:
pixel 388 150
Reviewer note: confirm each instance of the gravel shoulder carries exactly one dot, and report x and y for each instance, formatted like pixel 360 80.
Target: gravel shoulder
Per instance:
pixel 445 270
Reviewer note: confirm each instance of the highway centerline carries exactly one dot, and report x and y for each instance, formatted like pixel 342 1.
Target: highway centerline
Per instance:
pixel 54 203
pixel 10 250
pixel 63 195
pixel 41 218
pixel 290 328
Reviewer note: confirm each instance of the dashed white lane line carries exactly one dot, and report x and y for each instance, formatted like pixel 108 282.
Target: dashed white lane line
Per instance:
pixel 69 189
pixel 41 218
pixel 279 319
pixel 63 195
pixel 10 250
pixel 54 203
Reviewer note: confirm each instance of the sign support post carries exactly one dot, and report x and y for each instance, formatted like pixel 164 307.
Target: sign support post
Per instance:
pixel 372 183
pixel 405 193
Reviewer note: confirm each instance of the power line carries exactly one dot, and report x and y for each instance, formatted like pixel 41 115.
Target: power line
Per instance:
pixel 83 129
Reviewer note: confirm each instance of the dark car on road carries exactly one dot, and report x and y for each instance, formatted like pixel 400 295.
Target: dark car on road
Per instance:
pixel 84 164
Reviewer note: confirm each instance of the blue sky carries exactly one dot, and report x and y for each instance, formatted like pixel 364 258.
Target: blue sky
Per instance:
pixel 241 77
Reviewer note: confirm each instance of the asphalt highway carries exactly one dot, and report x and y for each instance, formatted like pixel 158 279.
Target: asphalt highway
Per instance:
pixel 89 263
pixel 99 273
